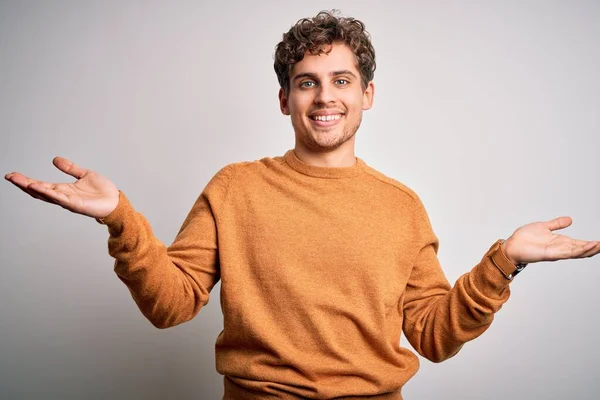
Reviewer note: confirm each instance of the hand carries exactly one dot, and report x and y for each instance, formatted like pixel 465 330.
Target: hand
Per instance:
pixel 92 194
pixel 535 242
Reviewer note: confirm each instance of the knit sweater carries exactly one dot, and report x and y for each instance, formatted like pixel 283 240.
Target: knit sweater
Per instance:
pixel 321 269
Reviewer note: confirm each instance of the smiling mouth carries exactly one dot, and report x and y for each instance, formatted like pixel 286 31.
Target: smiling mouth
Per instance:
pixel 326 118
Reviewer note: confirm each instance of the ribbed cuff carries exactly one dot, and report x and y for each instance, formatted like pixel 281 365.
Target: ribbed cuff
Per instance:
pixel 493 267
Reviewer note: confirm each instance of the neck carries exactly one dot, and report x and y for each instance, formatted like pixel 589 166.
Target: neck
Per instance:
pixel 342 156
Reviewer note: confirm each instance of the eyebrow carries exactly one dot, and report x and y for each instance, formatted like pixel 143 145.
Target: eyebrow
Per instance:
pixel 332 73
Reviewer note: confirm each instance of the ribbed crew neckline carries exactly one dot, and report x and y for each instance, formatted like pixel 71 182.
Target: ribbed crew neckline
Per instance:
pixel 322 172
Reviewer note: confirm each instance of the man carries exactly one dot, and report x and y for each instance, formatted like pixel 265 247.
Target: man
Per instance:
pixel 323 261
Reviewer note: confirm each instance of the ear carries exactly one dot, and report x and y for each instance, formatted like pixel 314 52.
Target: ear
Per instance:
pixel 283 103
pixel 368 95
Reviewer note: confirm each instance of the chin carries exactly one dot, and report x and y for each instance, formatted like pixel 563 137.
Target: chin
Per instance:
pixel 328 144
pixel 324 140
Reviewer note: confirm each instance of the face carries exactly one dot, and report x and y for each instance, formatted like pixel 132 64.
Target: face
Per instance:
pixel 326 100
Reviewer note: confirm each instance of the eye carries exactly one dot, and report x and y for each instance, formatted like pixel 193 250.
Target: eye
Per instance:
pixel 307 84
pixel 342 82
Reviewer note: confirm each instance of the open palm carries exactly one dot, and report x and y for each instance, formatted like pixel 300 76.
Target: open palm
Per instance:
pixel 537 242
pixel 91 194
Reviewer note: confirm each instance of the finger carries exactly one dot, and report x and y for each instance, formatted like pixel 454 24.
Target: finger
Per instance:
pixel 69 167
pixel 594 249
pixel 48 193
pixel 33 193
pixel 38 195
pixel 582 243
pixel 37 189
pixel 19 179
pixel 23 182
pixel 568 248
pixel 559 223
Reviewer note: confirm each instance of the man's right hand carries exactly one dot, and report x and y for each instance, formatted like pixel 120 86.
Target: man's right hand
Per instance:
pixel 91 194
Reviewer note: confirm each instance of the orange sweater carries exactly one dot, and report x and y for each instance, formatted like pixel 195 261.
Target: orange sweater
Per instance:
pixel 321 269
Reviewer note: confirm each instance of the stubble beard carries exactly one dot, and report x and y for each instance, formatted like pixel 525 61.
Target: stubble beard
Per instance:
pixel 329 144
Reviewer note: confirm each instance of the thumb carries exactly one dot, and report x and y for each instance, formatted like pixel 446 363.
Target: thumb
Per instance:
pixel 69 167
pixel 559 223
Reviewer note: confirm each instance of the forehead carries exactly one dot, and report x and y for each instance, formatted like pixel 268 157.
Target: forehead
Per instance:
pixel 339 58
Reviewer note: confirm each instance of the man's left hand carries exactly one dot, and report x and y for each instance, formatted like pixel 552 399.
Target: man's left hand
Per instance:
pixel 536 242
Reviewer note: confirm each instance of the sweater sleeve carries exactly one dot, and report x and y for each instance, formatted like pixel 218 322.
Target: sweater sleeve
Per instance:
pixel 438 318
pixel 170 285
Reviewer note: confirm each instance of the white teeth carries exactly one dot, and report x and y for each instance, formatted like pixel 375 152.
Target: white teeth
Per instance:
pixel 327 117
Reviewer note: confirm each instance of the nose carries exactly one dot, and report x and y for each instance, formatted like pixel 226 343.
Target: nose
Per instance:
pixel 325 94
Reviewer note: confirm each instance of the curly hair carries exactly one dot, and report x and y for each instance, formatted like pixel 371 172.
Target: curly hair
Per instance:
pixel 316 34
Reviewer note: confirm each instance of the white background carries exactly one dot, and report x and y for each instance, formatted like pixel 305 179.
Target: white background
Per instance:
pixel 488 110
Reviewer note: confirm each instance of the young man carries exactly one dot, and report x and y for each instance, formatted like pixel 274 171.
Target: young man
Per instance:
pixel 323 261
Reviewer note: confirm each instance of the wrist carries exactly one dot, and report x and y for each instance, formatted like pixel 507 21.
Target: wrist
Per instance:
pixel 509 267
pixel 506 248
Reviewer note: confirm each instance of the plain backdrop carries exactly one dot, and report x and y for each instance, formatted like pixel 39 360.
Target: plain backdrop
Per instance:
pixel 489 110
